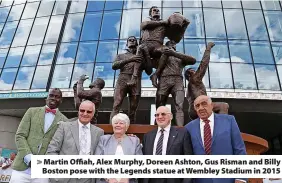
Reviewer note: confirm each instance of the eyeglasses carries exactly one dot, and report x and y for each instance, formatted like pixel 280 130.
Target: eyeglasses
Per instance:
pixel 162 114
pixel 83 111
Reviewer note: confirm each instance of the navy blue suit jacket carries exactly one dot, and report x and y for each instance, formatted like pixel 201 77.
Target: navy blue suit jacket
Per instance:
pixel 226 140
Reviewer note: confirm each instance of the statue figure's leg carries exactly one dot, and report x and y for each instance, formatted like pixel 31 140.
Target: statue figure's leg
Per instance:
pixel 77 100
pixel 192 113
pixel 161 100
pixel 178 99
pixel 133 105
pixel 143 52
pixel 161 65
pixel 220 107
pixel 147 62
pixel 134 97
pixel 178 96
pixel 163 91
pixel 94 119
pixel 119 95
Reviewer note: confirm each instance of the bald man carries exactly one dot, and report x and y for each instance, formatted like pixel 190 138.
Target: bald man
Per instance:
pixel 166 140
pixel 215 134
pixel 77 137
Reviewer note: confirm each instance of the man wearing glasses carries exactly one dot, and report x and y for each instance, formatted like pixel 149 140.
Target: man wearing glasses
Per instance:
pixel 167 140
pixel 77 137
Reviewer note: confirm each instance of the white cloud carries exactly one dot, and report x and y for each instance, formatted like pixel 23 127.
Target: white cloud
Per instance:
pixel 131 20
pixel 267 79
pixel 5 86
pixel 129 4
pixel 22 33
pixel 41 76
pixel 24 83
pixel 73 26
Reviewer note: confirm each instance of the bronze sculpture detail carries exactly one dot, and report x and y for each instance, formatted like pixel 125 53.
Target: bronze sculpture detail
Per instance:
pixel 154 31
pixel 196 86
pixel 126 64
pixel 171 80
pixel 94 94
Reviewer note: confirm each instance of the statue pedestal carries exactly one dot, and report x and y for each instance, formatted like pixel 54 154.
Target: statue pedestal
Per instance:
pixel 254 145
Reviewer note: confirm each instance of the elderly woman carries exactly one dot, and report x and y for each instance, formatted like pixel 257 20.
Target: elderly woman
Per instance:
pixel 119 144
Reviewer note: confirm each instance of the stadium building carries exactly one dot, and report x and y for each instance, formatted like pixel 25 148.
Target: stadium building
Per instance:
pixel 47 44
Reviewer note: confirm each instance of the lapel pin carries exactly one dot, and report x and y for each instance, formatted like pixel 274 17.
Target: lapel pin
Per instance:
pixel 173 136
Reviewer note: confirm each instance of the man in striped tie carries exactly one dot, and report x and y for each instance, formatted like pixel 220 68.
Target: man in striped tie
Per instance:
pixel 167 140
pixel 214 134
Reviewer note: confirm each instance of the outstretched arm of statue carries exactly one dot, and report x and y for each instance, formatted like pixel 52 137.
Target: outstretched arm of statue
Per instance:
pixel 81 93
pixel 120 62
pixel 186 59
pixel 85 94
pixel 200 73
pixel 77 100
pixel 151 24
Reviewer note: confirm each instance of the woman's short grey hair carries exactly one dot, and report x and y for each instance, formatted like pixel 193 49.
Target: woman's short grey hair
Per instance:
pixel 121 117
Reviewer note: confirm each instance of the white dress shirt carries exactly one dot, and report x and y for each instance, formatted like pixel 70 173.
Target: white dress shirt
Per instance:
pixel 88 136
pixel 202 124
pixel 48 120
pixel 165 140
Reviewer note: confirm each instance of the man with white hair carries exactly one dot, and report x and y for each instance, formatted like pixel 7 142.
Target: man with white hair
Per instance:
pixel 215 134
pixel 77 137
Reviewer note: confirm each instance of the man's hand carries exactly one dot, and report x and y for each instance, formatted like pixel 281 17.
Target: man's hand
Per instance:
pixel 136 58
pixel 210 45
pixel 6 166
pixel 169 52
pixel 75 86
pixel 83 77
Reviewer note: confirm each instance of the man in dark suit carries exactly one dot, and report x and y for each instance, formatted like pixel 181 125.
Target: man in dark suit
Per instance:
pixel 214 134
pixel 166 140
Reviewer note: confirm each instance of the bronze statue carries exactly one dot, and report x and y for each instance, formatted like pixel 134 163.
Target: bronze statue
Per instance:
pixel 196 86
pixel 171 80
pixel 94 94
pixel 126 63
pixel 153 34
pixel 177 25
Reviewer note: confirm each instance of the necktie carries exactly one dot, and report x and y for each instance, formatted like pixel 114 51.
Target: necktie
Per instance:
pixel 50 110
pixel 207 137
pixel 83 140
pixel 159 148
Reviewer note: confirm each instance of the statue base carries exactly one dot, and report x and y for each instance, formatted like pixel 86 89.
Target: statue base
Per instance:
pixel 254 145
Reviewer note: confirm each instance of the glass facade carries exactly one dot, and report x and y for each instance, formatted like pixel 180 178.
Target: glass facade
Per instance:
pixel 46 44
